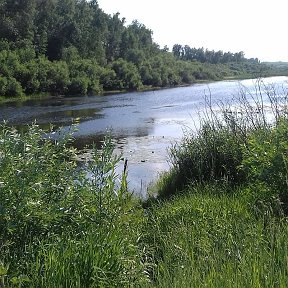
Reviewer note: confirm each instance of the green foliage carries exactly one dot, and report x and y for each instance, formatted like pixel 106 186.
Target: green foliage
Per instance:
pixel 85 51
pixel 213 154
pixel 199 54
pixel 210 237
pixel 59 227
pixel 266 158
pixel 3 85
pixel 13 88
pixel 78 85
pixel 85 75
pixel 127 75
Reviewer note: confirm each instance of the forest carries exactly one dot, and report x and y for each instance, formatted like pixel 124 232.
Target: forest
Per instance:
pixel 72 47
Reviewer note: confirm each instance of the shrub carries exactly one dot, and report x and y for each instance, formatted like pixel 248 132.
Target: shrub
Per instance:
pixel 13 88
pixel 78 85
pixel 3 85
pixel 27 75
pixel 58 77
pixel 59 227
pixel 213 154
pixel 127 75
pixel 266 158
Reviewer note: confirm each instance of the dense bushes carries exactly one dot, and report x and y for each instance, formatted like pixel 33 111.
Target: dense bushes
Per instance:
pixel 41 75
pixel 73 47
pixel 59 227
pixel 265 159
pixel 22 73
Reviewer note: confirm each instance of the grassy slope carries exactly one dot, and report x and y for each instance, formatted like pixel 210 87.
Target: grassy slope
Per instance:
pixel 228 227
pixel 208 238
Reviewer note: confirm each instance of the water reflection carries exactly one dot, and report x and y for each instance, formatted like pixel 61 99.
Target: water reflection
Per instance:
pixel 143 124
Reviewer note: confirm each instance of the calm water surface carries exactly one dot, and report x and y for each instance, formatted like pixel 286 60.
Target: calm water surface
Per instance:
pixel 144 124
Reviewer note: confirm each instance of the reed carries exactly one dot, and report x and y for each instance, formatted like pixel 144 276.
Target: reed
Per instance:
pixel 214 152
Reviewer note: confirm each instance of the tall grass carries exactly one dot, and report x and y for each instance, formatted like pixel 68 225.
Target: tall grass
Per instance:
pixel 60 228
pixel 221 216
pixel 215 151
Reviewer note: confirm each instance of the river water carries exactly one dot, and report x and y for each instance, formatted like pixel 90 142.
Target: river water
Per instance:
pixel 143 124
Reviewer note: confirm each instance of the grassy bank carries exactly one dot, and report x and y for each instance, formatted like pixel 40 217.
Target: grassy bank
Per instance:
pixel 220 218
pixel 211 238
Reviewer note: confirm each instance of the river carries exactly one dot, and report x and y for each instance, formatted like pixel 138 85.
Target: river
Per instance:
pixel 143 124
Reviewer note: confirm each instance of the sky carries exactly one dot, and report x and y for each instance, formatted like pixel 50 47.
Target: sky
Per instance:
pixel 256 27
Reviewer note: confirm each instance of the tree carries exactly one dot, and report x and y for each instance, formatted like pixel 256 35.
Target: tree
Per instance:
pixel 177 51
pixel 16 20
pixel 127 75
pixel 112 45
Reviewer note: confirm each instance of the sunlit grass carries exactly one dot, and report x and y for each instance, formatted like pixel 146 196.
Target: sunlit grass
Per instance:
pixel 209 238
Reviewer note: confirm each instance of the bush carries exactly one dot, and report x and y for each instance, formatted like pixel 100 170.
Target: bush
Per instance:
pixel 239 144
pixel 58 77
pixel 78 85
pixel 127 75
pixel 94 87
pixel 3 85
pixel 27 75
pixel 266 159
pixel 13 88
pixel 60 228
pixel 213 154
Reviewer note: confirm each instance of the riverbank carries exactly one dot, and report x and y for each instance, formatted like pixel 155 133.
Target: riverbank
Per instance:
pixel 144 88
pixel 219 218
pixel 213 236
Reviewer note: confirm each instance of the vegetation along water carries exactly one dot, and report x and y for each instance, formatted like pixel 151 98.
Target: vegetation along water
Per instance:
pixel 217 218
pixel 73 47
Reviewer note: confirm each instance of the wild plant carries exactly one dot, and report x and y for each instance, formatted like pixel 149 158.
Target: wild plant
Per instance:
pixel 62 224
pixel 214 152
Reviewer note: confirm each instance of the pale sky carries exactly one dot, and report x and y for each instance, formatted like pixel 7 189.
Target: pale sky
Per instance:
pixel 257 27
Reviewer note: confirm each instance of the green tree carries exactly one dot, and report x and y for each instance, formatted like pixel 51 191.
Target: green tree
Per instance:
pixel 17 20
pixel 116 28
pixel 177 51
pixel 127 75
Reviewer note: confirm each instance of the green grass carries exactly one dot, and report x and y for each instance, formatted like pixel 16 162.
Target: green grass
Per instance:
pixel 220 218
pixel 208 238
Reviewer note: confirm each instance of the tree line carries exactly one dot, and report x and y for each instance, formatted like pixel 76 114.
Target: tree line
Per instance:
pixel 211 56
pixel 73 47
